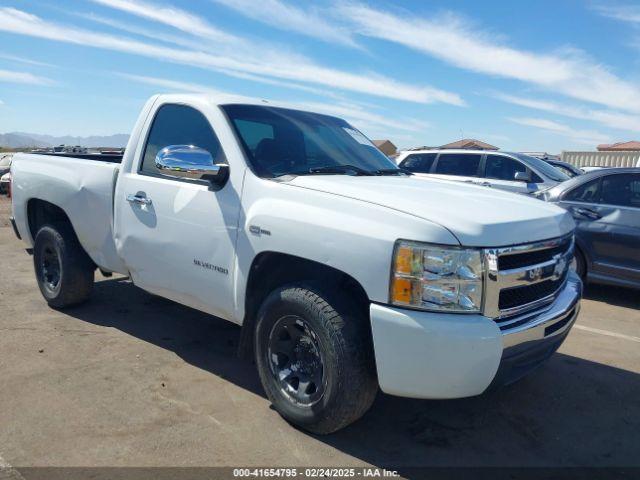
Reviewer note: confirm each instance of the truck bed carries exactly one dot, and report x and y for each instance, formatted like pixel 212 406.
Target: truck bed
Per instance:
pixel 81 187
pixel 99 157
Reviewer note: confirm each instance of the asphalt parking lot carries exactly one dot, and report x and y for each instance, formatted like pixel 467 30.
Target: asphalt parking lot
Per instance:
pixel 134 380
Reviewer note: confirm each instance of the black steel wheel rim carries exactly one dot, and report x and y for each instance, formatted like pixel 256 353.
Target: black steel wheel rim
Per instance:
pixel 50 268
pixel 296 360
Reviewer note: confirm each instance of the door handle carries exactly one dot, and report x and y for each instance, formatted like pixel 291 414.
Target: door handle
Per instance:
pixel 485 184
pixel 585 212
pixel 139 199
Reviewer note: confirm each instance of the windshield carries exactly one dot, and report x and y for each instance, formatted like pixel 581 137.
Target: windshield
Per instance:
pixel 279 141
pixel 5 161
pixel 543 167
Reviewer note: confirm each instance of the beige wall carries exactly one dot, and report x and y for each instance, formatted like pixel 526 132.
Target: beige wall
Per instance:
pixel 607 159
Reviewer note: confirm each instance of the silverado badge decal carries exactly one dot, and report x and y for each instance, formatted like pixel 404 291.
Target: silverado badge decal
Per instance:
pixel 210 266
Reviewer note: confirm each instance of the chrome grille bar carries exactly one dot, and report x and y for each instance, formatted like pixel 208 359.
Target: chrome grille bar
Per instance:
pixel 496 280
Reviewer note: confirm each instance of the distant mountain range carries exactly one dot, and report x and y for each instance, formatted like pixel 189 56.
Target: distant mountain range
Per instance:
pixel 22 140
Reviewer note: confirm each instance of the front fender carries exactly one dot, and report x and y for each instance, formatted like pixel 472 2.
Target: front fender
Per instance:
pixel 349 235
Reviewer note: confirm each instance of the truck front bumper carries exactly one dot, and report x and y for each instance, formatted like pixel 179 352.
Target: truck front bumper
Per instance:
pixel 442 355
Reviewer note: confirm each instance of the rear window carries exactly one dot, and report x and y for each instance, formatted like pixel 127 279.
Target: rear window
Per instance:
pixel 460 164
pixel 418 162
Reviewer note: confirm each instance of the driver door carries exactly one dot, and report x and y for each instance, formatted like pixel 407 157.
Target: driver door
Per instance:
pixel 500 172
pixel 175 235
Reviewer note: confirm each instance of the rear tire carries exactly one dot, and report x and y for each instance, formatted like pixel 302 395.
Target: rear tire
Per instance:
pixel 64 271
pixel 327 352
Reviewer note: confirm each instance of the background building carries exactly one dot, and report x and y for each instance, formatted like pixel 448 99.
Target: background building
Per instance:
pixel 386 146
pixel 621 154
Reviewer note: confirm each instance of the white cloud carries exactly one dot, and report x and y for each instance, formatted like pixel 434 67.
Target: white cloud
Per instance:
pixel 607 118
pixel 264 63
pixel 453 40
pixel 587 137
pixel 28 61
pixel 175 17
pixel 624 13
pixel 307 21
pixel 353 113
pixel 181 40
pixel 11 76
pixel 174 85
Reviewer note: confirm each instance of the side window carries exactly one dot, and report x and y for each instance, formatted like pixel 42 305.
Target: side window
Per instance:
pixel 622 190
pixel 586 193
pixel 419 162
pixel 179 125
pixel 503 168
pixel 461 164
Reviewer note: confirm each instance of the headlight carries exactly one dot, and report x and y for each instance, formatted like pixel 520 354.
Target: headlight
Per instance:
pixel 435 277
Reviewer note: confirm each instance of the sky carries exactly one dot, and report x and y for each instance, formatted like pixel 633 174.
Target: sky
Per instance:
pixel 526 76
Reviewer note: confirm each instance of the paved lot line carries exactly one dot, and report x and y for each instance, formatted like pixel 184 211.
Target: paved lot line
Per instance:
pixel 607 333
pixel 7 472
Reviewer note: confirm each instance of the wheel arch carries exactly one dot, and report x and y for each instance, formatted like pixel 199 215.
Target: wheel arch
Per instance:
pixel 270 270
pixel 581 250
pixel 41 212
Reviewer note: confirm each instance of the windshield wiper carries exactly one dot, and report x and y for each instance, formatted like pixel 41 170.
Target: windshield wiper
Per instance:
pixel 338 169
pixel 392 171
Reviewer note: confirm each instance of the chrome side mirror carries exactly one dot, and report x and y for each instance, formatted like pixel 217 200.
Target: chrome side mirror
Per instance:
pixel 188 161
pixel 523 177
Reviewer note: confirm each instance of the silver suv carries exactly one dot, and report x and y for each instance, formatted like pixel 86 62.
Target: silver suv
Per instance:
pixel 515 172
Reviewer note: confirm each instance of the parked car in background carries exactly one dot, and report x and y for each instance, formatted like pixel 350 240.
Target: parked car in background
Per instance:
pixel 566 168
pixel 605 204
pixel 5 163
pixel 5 183
pixel 514 172
pixel 592 168
pixel 345 273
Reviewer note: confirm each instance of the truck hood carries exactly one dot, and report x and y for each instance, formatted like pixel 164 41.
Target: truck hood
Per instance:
pixel 478 216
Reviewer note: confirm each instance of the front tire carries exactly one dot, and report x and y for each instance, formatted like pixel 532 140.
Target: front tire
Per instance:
pixel 579 264
pixel 315 358
pixel 64 271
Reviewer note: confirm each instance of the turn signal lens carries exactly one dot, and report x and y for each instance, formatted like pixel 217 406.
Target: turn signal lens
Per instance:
pixel 402 290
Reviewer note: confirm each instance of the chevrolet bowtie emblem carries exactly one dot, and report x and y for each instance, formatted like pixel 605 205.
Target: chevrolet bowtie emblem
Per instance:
pixel 534 274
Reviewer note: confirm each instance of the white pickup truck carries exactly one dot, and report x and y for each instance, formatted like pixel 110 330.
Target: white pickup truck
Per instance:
pixel 346 273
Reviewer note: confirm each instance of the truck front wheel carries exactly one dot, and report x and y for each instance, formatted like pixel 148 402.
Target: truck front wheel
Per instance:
pixel 64 271
pixel 315 360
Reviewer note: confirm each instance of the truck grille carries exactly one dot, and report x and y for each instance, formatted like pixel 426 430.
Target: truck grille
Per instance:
pixel 528 258
pixel 524 278
pixel 516 296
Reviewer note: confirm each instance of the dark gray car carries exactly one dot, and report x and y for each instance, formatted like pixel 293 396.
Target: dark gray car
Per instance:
pixel 606 207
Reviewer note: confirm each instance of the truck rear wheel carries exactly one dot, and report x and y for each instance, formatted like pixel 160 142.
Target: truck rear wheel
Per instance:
pixel 315 358
pixel 64 271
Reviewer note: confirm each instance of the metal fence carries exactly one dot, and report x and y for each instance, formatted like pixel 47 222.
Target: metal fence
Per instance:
pixel 602 159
